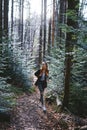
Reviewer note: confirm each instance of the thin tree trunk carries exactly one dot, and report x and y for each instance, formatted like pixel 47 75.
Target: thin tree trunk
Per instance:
pixel 53 23
pixel 62 19
pixel 40 41
pixel 6 2
pixel 19 26
pixel 49 36
pixel 40 47
pixel 57 22
pixel 12 9
pixel 44 45
pixel 22 10
pixel 0 21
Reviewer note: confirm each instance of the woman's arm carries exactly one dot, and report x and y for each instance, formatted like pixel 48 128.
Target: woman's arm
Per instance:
pixel 37 73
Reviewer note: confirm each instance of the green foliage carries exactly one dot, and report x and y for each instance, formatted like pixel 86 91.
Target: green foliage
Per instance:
pixel 7 97
pixel 78 93
pixel 31 90
pixel 78 103
pixel 15 74
pixel 21 64
pixel 56 70
pixel 72 14
pixel 78 79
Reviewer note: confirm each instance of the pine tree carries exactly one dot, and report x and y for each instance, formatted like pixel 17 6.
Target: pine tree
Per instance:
pixel 72 5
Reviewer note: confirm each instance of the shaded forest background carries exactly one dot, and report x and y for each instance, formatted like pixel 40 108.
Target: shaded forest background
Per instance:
pixel 60 39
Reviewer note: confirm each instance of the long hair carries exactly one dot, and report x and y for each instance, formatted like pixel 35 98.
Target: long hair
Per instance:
pixel 46 70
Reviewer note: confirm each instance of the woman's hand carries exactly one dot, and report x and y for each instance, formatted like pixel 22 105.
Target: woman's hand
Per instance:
pixel 40 74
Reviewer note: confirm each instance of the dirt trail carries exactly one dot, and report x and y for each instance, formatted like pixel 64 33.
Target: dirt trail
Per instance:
pixel 29 115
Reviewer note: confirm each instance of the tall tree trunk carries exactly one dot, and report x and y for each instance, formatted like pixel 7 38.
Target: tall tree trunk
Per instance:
pixel 12 11
pixel 21 14
pixel 22 10
pixel 49 36
pixel 40 40
pixel 19 25
pixel 40 46
pixel 0 21
pixel 68 49
pixel 44 45
pixel 53 23
pixel 62 19
pixel 57 22
pixel 6 2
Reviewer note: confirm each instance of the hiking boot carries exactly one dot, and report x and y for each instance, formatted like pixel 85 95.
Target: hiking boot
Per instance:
pixel 44 108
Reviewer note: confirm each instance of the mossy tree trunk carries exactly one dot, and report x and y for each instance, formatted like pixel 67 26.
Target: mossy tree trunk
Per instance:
pixel 70 38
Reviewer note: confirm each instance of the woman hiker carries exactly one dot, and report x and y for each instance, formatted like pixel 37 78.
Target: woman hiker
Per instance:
pixel 41 82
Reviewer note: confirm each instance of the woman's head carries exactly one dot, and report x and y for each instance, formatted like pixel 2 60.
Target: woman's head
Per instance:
pixel 44 65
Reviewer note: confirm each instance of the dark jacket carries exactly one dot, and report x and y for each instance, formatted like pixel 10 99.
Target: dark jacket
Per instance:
pixel 37 73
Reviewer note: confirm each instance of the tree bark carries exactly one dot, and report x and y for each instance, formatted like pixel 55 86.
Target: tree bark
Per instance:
pixel 19 26
pixel 40 47
pixel 22 10
pixel 49 37
pixel 68 50
pixel 0 21
pixel 57 22
pixel 6 2
pixel 53 23
pixel 41 33
pixel 62 20
pixel 44 45
pixel 12 11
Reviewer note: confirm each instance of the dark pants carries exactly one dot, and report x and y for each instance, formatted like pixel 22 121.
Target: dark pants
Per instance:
pixel 41 87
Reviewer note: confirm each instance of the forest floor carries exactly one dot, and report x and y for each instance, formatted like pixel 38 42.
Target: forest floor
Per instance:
pixel 28 115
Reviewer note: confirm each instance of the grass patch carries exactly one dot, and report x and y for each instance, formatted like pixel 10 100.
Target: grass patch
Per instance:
pixel 31 90
pixel 28 91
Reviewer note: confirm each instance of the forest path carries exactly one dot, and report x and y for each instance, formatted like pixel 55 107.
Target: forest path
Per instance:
pixel 28 115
